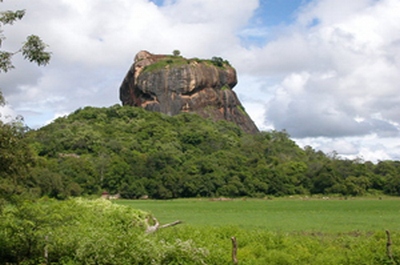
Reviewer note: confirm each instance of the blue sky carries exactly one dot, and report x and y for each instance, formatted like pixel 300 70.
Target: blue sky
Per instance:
pixel 269 12
pixel 269 15
pixel 276 12
pixel 332 85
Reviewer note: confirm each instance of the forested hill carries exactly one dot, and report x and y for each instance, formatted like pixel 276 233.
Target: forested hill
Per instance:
pixel 137 153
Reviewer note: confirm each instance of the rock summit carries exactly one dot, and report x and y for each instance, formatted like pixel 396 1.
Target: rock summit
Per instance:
pixel 172 84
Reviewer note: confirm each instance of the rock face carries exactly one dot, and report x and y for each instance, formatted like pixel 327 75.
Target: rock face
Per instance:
pixel 172 84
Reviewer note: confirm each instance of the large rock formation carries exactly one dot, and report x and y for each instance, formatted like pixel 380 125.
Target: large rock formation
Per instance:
pixel 173 84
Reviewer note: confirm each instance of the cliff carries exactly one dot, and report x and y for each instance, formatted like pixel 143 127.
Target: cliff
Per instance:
pixel 173 84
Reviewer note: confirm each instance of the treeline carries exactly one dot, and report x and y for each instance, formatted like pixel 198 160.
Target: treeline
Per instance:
pixel 136 153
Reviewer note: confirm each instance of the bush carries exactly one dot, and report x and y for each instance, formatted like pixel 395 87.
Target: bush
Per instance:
pixel 176 53
pixel 82 231
pixel 217 61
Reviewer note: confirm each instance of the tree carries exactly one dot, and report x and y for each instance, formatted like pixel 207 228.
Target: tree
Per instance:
pixel 33 49
pixel 15 160
pixel 217 61
pixel 176 52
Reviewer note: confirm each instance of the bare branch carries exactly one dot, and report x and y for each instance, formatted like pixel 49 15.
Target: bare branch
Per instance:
pixel 171 224
pixel 153 228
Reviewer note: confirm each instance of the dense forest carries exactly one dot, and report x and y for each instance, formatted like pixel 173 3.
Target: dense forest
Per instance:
pixel 135 153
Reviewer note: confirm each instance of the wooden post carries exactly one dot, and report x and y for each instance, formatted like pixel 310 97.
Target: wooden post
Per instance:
pixel 46 251
pixel 234 250
pixel 389 248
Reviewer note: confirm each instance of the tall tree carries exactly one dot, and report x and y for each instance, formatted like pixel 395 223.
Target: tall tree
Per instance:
pixel 15 155
pixel 33 49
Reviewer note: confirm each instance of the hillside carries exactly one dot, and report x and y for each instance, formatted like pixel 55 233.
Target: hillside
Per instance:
pixel 137 153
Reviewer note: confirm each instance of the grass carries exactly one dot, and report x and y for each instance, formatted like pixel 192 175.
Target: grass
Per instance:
pixel 288 231
pixel 176 61
pixel 84 231
pixel 280 215
pixel 242 110
pixel 167 61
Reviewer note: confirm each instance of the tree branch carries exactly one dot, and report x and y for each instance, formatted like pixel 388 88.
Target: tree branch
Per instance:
pixel 153 228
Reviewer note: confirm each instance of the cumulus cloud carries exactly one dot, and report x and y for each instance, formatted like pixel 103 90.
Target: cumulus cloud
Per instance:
pixel 7 114
pixel 368 148
pixel 337 70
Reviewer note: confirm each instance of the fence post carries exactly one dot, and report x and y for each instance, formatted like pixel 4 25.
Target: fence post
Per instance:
pixel 234 250
pixel 46 251
pixel 389 248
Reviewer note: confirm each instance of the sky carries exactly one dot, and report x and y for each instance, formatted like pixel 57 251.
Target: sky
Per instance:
pixel 326 71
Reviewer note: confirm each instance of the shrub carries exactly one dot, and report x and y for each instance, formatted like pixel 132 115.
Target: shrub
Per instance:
pixel 80 231
pixel 217 61
pixel 176 52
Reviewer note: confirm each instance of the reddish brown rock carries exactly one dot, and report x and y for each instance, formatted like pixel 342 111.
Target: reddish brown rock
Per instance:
pixel 172 84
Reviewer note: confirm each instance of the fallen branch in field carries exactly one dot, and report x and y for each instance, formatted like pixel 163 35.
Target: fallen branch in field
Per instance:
pixel 153 228
pixel 234 250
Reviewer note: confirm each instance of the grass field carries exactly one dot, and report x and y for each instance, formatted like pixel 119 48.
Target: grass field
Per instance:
pixel 280 215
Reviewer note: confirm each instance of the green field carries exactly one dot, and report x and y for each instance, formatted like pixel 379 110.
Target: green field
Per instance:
pixel 280 215
pixel 282 231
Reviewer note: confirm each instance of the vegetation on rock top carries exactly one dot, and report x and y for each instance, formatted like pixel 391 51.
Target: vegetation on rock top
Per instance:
pixel 177 60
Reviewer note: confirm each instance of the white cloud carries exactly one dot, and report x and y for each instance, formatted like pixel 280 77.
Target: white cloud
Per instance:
pixel 336 71
pixel 7 114
pixel 336 77
pixel 369 148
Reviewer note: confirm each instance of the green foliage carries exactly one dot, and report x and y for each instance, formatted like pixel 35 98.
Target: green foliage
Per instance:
pixel 136 153
pixel 2 101
pixel 34 49
pixel 219 62
pixel 5 61
pixel 242 110
pixel 226 87
pixel 16 159
pixel 79 231
pixel 261 246
pixel 86 232
pixel 167 61
pixel 9 17
pixel 176 60
pixel 295 214
pixel 176 52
